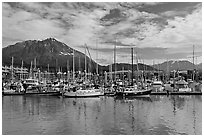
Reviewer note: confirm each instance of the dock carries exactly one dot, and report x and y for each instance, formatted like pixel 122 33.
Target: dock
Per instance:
pixel 176 93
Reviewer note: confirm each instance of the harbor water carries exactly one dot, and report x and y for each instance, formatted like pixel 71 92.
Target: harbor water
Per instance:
pixel 157 115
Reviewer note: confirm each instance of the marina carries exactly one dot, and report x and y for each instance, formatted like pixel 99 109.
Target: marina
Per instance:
pixel 100 68
pixel 80 102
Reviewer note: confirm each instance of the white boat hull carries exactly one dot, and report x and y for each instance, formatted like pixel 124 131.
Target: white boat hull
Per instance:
pixel 83 93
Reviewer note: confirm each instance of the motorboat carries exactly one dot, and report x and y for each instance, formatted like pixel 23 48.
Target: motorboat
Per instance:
pixel 182 86
pixel 12 88
pixel 134 91
pixel 157 86
pixel 77 92
pixel 32 87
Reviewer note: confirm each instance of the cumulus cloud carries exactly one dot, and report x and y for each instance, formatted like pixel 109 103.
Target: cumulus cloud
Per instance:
pixel 128 24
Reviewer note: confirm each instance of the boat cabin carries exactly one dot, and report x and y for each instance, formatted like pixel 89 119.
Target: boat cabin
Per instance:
pixel 157 83
pixel 33 82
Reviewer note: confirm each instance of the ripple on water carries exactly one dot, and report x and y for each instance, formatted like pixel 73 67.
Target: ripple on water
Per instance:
pixel 110 116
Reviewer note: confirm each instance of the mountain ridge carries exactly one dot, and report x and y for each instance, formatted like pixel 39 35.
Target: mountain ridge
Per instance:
pixel 57 54
pixel 177 65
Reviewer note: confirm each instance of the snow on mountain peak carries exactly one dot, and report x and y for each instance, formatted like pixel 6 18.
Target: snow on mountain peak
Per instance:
pixel 64 53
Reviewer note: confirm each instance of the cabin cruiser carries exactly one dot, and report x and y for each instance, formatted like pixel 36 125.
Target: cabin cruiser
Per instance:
pixel 14 87
pixel 134 91
pixel 31 85
pixel 157 86
pixel 83 91
pixel 182 86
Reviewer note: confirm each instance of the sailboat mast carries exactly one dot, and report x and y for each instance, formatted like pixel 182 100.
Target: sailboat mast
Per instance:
pixel 110 72
pixel 193 57
pixel 48 71
pixel 73 66
pixel 79 67
pixel 132 64
pixel 31 69
pixel 137 68
pixel 21 70
pixel 56 64
pixel 96 57
pixel 85 63
pixel 123 76
pixel 167 71
pixel 115 60
pixel 193 63
pixel 67 70
pixel 12 69
pixel 35 64
pixel 144 71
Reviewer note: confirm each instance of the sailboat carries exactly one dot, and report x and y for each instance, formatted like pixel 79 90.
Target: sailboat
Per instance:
pixel 11 87
pixel 134 90
pixel 87 89
pixel 32 86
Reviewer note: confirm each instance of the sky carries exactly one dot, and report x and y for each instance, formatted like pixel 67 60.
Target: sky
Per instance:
pixel 157 31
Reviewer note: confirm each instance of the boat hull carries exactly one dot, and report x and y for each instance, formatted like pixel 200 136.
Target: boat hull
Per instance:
pixel 31 93
pixel 142 93
pixel 81 94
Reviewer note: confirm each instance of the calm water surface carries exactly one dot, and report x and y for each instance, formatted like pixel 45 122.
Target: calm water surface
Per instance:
pixel 105 115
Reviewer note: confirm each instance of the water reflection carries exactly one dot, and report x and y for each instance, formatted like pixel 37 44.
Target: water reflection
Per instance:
pixel 105 115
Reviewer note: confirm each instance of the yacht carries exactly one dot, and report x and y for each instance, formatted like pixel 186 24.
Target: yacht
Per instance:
pixel 81 92
pixel 134 91
pixel 182 86
pixel 157 86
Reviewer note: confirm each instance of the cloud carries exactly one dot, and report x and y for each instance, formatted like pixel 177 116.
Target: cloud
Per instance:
pixel 146 26
pixel 173 13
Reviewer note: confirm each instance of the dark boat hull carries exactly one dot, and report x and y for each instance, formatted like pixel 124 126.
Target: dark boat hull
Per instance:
pixel 132 94
pixel 31 93
pixel 81 96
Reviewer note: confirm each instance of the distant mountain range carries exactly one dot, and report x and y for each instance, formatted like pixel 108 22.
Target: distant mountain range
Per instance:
pixel 177 65
pixel 57 54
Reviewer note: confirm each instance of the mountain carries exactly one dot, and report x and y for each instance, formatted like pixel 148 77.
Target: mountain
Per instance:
pixel 126 66
pixel 176 65
pixel 56 54
pixel 48 51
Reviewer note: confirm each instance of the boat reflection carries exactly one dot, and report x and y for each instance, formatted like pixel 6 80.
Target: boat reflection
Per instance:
pixel 104 115
pixel 129 98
